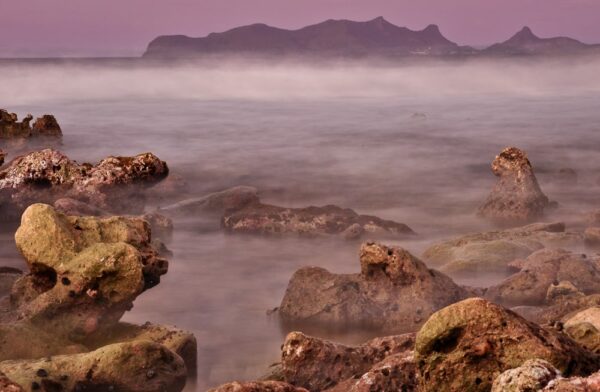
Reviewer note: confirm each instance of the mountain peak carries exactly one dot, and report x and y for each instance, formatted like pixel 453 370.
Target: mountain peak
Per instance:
pixel 432 28
pixel 525 33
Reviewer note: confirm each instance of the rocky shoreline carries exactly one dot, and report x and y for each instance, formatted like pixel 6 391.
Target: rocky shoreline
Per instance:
pixel 92 235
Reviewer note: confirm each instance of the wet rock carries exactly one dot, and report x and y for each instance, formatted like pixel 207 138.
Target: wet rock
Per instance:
pixel 85 271
pixel 257 218
pixel 48 175
pixel 69 206
pixel 140 366
pixel 231 199
pixel 465 346
pixel 560 310
pixel 493 252
pixel 174 187
pixel 7 385
pixel 394 292
pixel 2 156
pixel 161 226
pixel 258 386
pixel 543 269
pixel 532 376
pixel 516 197
pixel 319 365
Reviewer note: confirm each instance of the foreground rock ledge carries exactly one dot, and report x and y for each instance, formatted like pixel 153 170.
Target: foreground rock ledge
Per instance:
pixel 394 292
pixel 85 272
pixel 516 197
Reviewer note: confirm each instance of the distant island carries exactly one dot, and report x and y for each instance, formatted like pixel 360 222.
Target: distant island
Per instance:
pixel 350 39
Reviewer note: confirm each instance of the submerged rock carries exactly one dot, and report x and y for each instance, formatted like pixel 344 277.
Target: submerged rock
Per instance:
pixel 258 218
pixel 10 127
pixel 532 376
pixel 140 366
pixel 465 346
pixel 231 199
pixel 319 365
pixel 394 291
pixel 516 197
pixel 48 175
pixel 492 252
pixel 541 272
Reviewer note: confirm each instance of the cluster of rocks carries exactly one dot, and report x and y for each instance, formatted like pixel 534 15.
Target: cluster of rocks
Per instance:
pixel 242 211
pixel 472 345
pixel 11 127
pixel 48 175
pixel 60 324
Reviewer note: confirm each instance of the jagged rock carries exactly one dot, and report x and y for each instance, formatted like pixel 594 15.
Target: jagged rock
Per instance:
pixel 493 252
pixel 85 271
pixel 140 366
pixel 7 385
pixel 231 199
pixel 258 218
pixel 532 376
pixel 10 127
pixel 319 365
pixel 543 269
pixel 257 386
pixel 396 372
pixel 394 292
pixel 516 197
pixel 465 346
pixel 48 175
pixel 575 384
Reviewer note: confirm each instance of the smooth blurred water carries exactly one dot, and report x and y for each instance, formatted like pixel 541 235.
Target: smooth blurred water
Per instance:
pixel 311 135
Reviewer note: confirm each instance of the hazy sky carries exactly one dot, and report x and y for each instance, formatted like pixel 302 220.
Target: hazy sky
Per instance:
pixel 124 27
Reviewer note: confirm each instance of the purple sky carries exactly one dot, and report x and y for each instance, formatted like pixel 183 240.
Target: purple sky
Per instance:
pixel 124 27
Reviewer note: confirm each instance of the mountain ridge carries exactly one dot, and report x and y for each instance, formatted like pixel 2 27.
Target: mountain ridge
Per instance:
pixel 345 38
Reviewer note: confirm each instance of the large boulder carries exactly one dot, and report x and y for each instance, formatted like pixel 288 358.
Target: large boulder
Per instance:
pixel 140 366
pixel 465 346
pixel 319 365
pixel 516 197
pixel 47 175
pixel 492 252
pixel 394 292
pixel 543 269
pixel 85 271
pixel 258 218
pixel 584 327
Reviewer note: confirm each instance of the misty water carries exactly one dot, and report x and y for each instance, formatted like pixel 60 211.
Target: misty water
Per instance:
pixel 409 142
